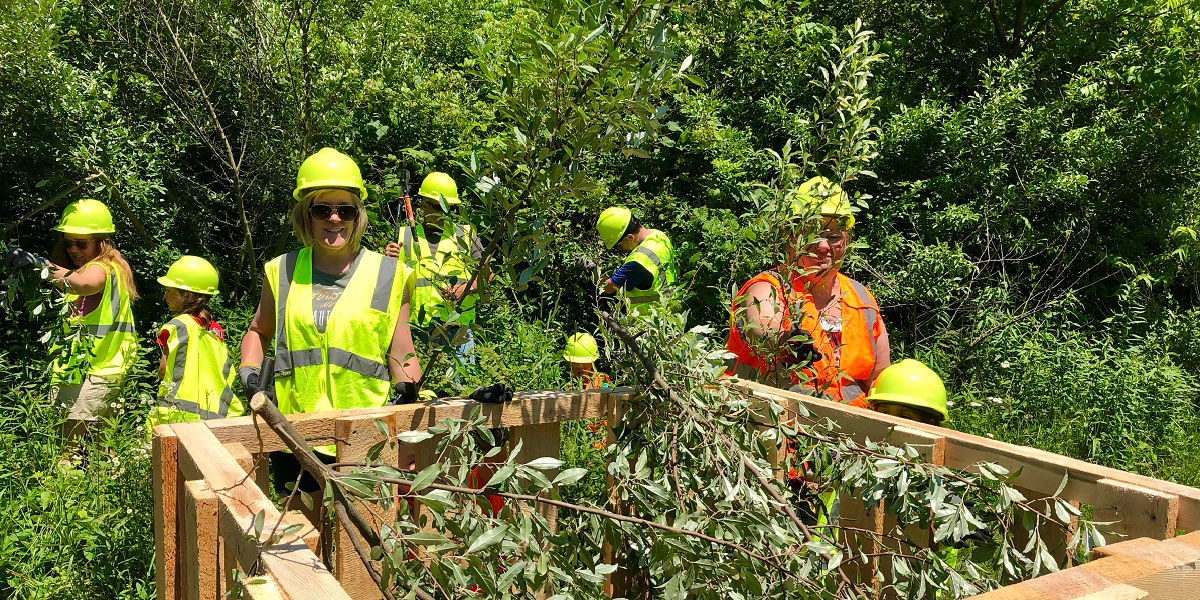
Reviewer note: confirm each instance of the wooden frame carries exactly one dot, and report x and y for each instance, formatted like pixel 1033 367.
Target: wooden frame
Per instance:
pixel 209 479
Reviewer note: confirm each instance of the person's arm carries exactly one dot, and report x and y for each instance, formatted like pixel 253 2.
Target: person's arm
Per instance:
pixel 82 282
pixel 761 313
pixel 485 273
pixel 162 345
pixel 262 329
pixel 402 354
pixel 883 351
pixel 630 276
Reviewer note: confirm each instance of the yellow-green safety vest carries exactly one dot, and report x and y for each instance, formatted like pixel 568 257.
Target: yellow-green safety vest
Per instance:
pixel 198 383
pixel 347 366
pixel 657 255
pixel 109 338
pixel 444 268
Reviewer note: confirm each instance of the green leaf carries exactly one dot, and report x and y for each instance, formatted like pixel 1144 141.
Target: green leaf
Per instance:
pixel 425 477
pixel 413 437
pixel 545 463
pixel 488 539
pixel 570 476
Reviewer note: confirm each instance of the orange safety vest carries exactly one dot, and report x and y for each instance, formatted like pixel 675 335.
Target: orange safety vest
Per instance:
pixel 598 381
pixel 845 379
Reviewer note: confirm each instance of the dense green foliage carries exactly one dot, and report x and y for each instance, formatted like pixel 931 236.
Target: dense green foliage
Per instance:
pixel 1029 223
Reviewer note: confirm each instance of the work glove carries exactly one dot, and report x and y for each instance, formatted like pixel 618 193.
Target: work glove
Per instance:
pixel 798 348
pixel 493 394
pixel 19 258
pixel 404 392
pixel 584 263
pixel 251 377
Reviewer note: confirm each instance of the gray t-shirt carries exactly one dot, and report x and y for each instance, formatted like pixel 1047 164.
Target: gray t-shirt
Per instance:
pixel 326 289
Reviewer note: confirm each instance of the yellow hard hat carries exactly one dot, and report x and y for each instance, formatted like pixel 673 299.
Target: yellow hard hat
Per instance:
pixel 828 198
pixel 439 185
pixel 581 348
pixel 911 383
pixel 329 168
pixel 192 273
pixel 612 225
pixel 86 216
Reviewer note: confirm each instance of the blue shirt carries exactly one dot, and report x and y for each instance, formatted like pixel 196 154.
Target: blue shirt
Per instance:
pixel 632 276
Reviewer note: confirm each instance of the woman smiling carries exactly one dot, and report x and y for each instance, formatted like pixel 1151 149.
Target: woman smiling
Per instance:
pixel 337 313
pixel 99 285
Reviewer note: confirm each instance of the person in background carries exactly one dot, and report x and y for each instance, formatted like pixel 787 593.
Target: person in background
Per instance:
pixel 910 390
pixel 581 353
pixel 649 272
pixel 441 263
pixel 811 319
pixel 98 282
pixel 338 314
pixel 196 370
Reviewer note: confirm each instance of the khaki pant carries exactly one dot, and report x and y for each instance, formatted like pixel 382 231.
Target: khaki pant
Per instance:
pixel 90 400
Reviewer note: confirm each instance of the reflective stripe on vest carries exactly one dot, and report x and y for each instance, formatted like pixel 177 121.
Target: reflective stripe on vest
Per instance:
pixel 656 255
pixel 111 341
pixel 346 366
pixel 437 267
pixel 197 388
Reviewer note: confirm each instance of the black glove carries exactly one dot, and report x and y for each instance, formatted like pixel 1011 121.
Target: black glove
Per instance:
pixel 19 258
pixel 404 392
pixel 493 394
pixel 584 263
pixel 251 377
pixel 798 348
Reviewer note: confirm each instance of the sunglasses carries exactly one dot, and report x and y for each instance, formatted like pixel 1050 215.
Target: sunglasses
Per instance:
pixel 79 244
pixel 344 212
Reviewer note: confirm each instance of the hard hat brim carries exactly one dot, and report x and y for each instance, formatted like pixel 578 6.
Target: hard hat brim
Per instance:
pixel 450 200
pixel 907 401
pixel 573 358
pixel 337 184
pixel 171 283
pixel 82 230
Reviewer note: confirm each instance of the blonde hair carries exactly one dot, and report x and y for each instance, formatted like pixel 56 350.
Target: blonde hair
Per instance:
pixel 302 223
pixel 109 255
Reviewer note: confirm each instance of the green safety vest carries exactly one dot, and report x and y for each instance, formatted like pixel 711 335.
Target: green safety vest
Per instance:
pixel 109 339
pixel 199 378
pixel 444 267
pixel 347 366
pixel 657 255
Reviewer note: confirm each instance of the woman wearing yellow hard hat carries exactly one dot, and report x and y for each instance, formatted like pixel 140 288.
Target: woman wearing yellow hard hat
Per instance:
pixel 805 323
pixel 99 285
pixel 196 370
pixel 337 313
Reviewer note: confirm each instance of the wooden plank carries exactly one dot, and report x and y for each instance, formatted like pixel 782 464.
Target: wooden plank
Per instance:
pixel 1117 592
pixel 538 441
pixel 618 583
pixel 527 408
pixel 1120 547
pixel 257 465
pixel 164 483
pixel 1040 470
pixel 355 436
pixel 204 551
pixel 300 573
pixel 1055 537
pixel 1137 511
pixel 263 587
